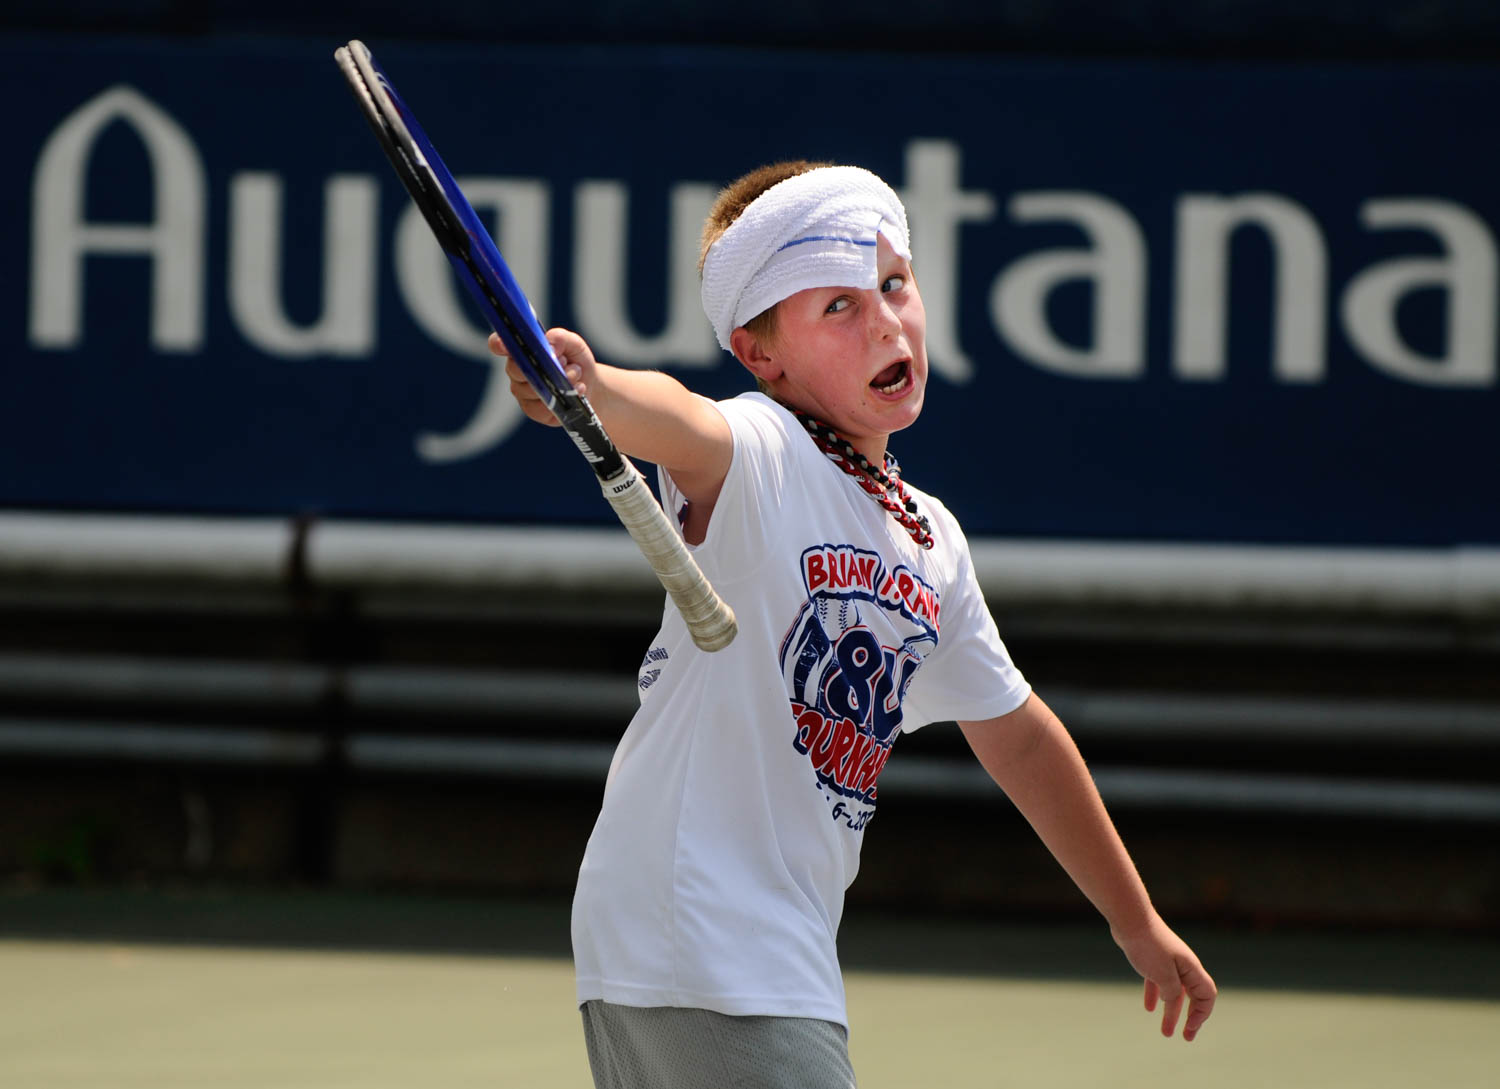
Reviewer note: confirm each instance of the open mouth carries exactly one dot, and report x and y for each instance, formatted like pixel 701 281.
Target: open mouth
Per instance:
pixel 893 379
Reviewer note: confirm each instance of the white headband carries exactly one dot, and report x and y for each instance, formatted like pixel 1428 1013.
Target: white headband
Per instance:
pixel 816 229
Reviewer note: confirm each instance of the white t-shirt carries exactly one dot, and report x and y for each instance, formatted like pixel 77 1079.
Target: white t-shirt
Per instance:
pixel 739 795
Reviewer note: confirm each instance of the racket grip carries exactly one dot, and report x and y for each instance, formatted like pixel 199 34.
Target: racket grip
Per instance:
pixel 709 620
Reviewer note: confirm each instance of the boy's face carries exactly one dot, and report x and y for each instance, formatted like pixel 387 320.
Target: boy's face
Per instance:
pixel 855 357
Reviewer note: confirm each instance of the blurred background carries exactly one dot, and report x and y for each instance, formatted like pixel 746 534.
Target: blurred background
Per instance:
pixel 1212 315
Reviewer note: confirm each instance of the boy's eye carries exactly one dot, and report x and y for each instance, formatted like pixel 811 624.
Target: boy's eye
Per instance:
pixel 893 283
pixel 840 303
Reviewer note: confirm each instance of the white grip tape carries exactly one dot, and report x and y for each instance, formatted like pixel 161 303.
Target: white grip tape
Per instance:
pixel 709 620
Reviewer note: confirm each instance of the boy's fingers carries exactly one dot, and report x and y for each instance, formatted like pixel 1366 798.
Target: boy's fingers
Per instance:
pixel 1203 992
pixel 570 347
pixel 515 374
pixel 1174 978
pixel 1170 1013
pixel 1193 987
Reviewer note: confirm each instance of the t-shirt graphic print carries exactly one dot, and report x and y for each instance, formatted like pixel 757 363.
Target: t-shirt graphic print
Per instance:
pixel 848 658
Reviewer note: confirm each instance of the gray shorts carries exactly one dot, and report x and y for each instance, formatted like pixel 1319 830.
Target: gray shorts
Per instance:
pixel 664 1047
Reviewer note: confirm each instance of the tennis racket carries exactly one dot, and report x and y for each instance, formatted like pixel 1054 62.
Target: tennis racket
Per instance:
pixel 482 270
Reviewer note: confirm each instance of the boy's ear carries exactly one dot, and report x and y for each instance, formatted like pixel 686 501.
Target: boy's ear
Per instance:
pixel 749 350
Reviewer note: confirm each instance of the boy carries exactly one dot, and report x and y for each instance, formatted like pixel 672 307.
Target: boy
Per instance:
pixel 710 893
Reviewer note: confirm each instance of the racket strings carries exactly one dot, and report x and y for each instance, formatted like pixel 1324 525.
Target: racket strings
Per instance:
pixel 881 483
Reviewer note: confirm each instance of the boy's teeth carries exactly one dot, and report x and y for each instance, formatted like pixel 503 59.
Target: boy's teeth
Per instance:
pixel 894 378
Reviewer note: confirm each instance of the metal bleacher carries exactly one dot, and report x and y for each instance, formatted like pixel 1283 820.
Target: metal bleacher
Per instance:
pixel 436 707
pixel 1200 679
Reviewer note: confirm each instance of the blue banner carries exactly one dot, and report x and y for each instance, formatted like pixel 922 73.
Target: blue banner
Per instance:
pixel 1166 302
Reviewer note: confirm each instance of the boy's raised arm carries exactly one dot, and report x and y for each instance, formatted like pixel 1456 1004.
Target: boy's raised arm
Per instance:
pixel 1034 760
pixel 649 415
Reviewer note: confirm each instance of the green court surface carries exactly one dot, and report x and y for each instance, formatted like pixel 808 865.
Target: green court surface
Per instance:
pixel 123 993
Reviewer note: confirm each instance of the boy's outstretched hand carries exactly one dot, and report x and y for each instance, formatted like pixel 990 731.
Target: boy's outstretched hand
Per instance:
pixel 1173 975
pixel 574 355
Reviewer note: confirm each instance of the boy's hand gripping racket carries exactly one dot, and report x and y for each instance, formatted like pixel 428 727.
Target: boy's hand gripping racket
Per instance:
pixel 482 270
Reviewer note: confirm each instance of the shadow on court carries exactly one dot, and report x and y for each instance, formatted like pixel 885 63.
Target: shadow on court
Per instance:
pixel 1413 963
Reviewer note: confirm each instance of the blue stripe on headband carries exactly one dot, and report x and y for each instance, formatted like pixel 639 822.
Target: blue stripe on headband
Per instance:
pixel 826 238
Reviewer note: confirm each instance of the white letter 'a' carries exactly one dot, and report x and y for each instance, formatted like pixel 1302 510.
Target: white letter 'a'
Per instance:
pixel 173 239
pixel 1205 224
pixel 602 265
pixel 1468 275
pixel 1117 266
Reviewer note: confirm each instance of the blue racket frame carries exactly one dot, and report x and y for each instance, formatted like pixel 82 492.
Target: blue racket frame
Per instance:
pixel 476 259
pixel 480 268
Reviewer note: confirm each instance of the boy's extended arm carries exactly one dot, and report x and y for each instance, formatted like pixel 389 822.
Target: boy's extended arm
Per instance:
pixel 649 415
pixel 1033 759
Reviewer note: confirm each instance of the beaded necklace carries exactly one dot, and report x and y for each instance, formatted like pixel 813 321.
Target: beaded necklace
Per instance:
pixel 880 483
